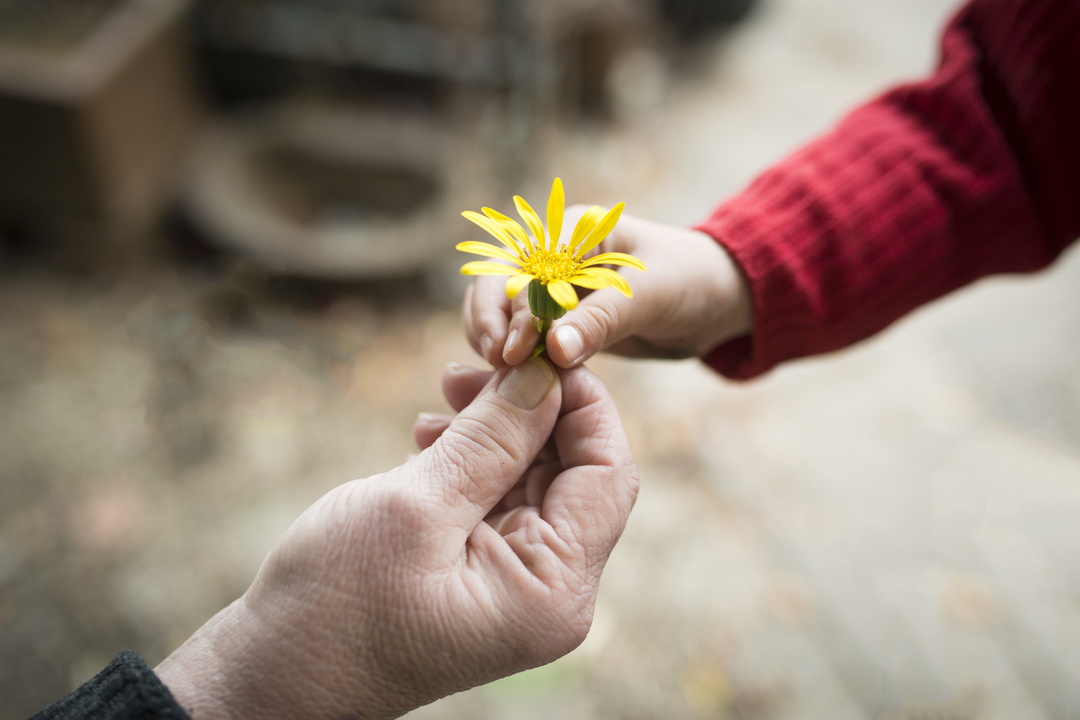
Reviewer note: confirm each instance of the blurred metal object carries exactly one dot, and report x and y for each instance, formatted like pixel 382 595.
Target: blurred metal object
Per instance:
pixel 97 105
pixel 256 49
pixel 356 185
pixel 468 63
pixel 378 35
pixel 313 191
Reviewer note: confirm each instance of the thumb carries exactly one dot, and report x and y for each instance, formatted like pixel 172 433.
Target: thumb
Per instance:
pixel 600 320
pixel 492 442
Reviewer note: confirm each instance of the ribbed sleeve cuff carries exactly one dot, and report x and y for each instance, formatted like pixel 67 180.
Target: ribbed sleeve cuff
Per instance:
pixel 920 191
pixel 775 296
pixel 125 690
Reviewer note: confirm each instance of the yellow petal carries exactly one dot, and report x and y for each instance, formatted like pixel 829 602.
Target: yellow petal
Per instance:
pixel 498 216
pixel 515 283
pixel 590 281
pixel 563 293
pixel 599 278
pixel 487 249
pixel 585 225
pixel 556 203
pixel 492 227
pixel 614 258
pixel 531 219
pixel 606 224
pixel 511 225
pixel 483 267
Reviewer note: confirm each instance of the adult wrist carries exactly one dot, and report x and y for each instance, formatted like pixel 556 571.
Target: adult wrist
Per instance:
pixel 239 665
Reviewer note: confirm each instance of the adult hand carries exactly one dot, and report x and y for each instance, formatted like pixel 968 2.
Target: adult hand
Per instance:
pixel 393 591
pixel 691 299
pixel 461 384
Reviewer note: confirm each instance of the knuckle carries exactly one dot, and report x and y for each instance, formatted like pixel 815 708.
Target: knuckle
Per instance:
pixel 554 626
pixel 633 484
pixel 476 449
pixel 478 444
pixel 579 625
pixel 575 617
pixel 401 512
pixel 605 317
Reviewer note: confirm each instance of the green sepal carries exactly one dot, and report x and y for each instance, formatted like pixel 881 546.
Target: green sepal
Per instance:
pixel 544 310
pixel 541 303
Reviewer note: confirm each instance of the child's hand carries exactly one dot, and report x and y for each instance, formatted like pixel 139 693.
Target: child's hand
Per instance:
pixel 691 299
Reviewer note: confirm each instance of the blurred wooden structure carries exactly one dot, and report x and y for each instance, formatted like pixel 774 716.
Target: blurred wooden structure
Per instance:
pixel 94 124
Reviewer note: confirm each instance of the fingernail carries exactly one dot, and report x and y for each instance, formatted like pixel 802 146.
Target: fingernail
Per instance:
pixel 485 346
pixel 527 384
pixel 454 367
pixel 511 341
pixel 428 418
pixel 571 342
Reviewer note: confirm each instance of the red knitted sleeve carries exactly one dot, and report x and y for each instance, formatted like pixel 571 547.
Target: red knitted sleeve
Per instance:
pixel 974 171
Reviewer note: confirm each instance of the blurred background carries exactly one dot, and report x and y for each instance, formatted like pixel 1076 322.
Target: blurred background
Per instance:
pixel 227 285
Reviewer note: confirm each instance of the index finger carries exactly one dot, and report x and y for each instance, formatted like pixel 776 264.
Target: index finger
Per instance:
pixel 486 311
pixel 589 503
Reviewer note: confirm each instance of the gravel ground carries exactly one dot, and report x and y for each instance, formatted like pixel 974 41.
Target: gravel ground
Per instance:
pixel 887 532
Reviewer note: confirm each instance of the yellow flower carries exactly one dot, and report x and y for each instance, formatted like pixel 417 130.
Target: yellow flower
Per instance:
pixel 543 259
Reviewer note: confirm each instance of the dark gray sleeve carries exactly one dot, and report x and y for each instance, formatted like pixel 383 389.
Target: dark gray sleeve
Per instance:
pixel 125 690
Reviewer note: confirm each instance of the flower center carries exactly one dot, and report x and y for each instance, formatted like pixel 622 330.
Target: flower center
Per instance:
pixel 548 265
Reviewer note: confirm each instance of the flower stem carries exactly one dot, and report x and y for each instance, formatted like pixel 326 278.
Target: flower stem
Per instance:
pixel 544 309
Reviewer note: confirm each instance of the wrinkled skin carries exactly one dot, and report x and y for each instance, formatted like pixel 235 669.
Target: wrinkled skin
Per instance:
pixel 477 558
